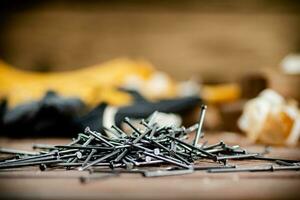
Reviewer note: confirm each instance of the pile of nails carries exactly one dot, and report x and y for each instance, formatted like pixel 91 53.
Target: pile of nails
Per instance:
pixel 150 150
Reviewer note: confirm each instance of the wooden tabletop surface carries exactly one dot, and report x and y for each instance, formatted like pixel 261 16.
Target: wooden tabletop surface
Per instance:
pixel 31 183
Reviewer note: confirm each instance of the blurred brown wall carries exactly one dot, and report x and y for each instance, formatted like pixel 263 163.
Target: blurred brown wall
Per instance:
pixel 210 39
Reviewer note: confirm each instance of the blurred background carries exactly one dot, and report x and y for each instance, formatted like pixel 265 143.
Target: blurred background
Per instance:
pixel 212 40
pixel 240 43
pixel 241 58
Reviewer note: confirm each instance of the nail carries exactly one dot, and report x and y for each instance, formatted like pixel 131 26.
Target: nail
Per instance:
pixel 201 120
pixel 153 131
pixel 140 137
pixel 168 160
pixel 191 128
pixel 127 121
pixel 242 156
pixel 87 142
pixel 43 146
pixel 115 134
pixel 99 160
pixel 121 155
pixel 75 141
pixel 161 173
pixel 16 151
pixel 274 159
pixel 96 135
pixel 16 165
pixel 43 167
pixel 129 165
pixel 84 147
pixel 221 143
pixel 255 169
pixel 119 130
pixel 199 168
pixel 89 157
pixel 144 123
pixel 211 156
pixel 280 162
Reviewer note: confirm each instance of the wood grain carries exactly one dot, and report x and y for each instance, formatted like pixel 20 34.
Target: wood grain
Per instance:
pixel 30 183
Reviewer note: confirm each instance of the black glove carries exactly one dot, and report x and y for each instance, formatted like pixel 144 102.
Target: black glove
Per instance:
pixel 64 117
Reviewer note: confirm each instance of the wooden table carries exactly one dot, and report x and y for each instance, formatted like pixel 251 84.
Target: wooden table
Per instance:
pixel 30 183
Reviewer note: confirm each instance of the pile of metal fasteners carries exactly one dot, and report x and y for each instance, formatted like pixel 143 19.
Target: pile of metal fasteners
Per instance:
pixel 149 149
